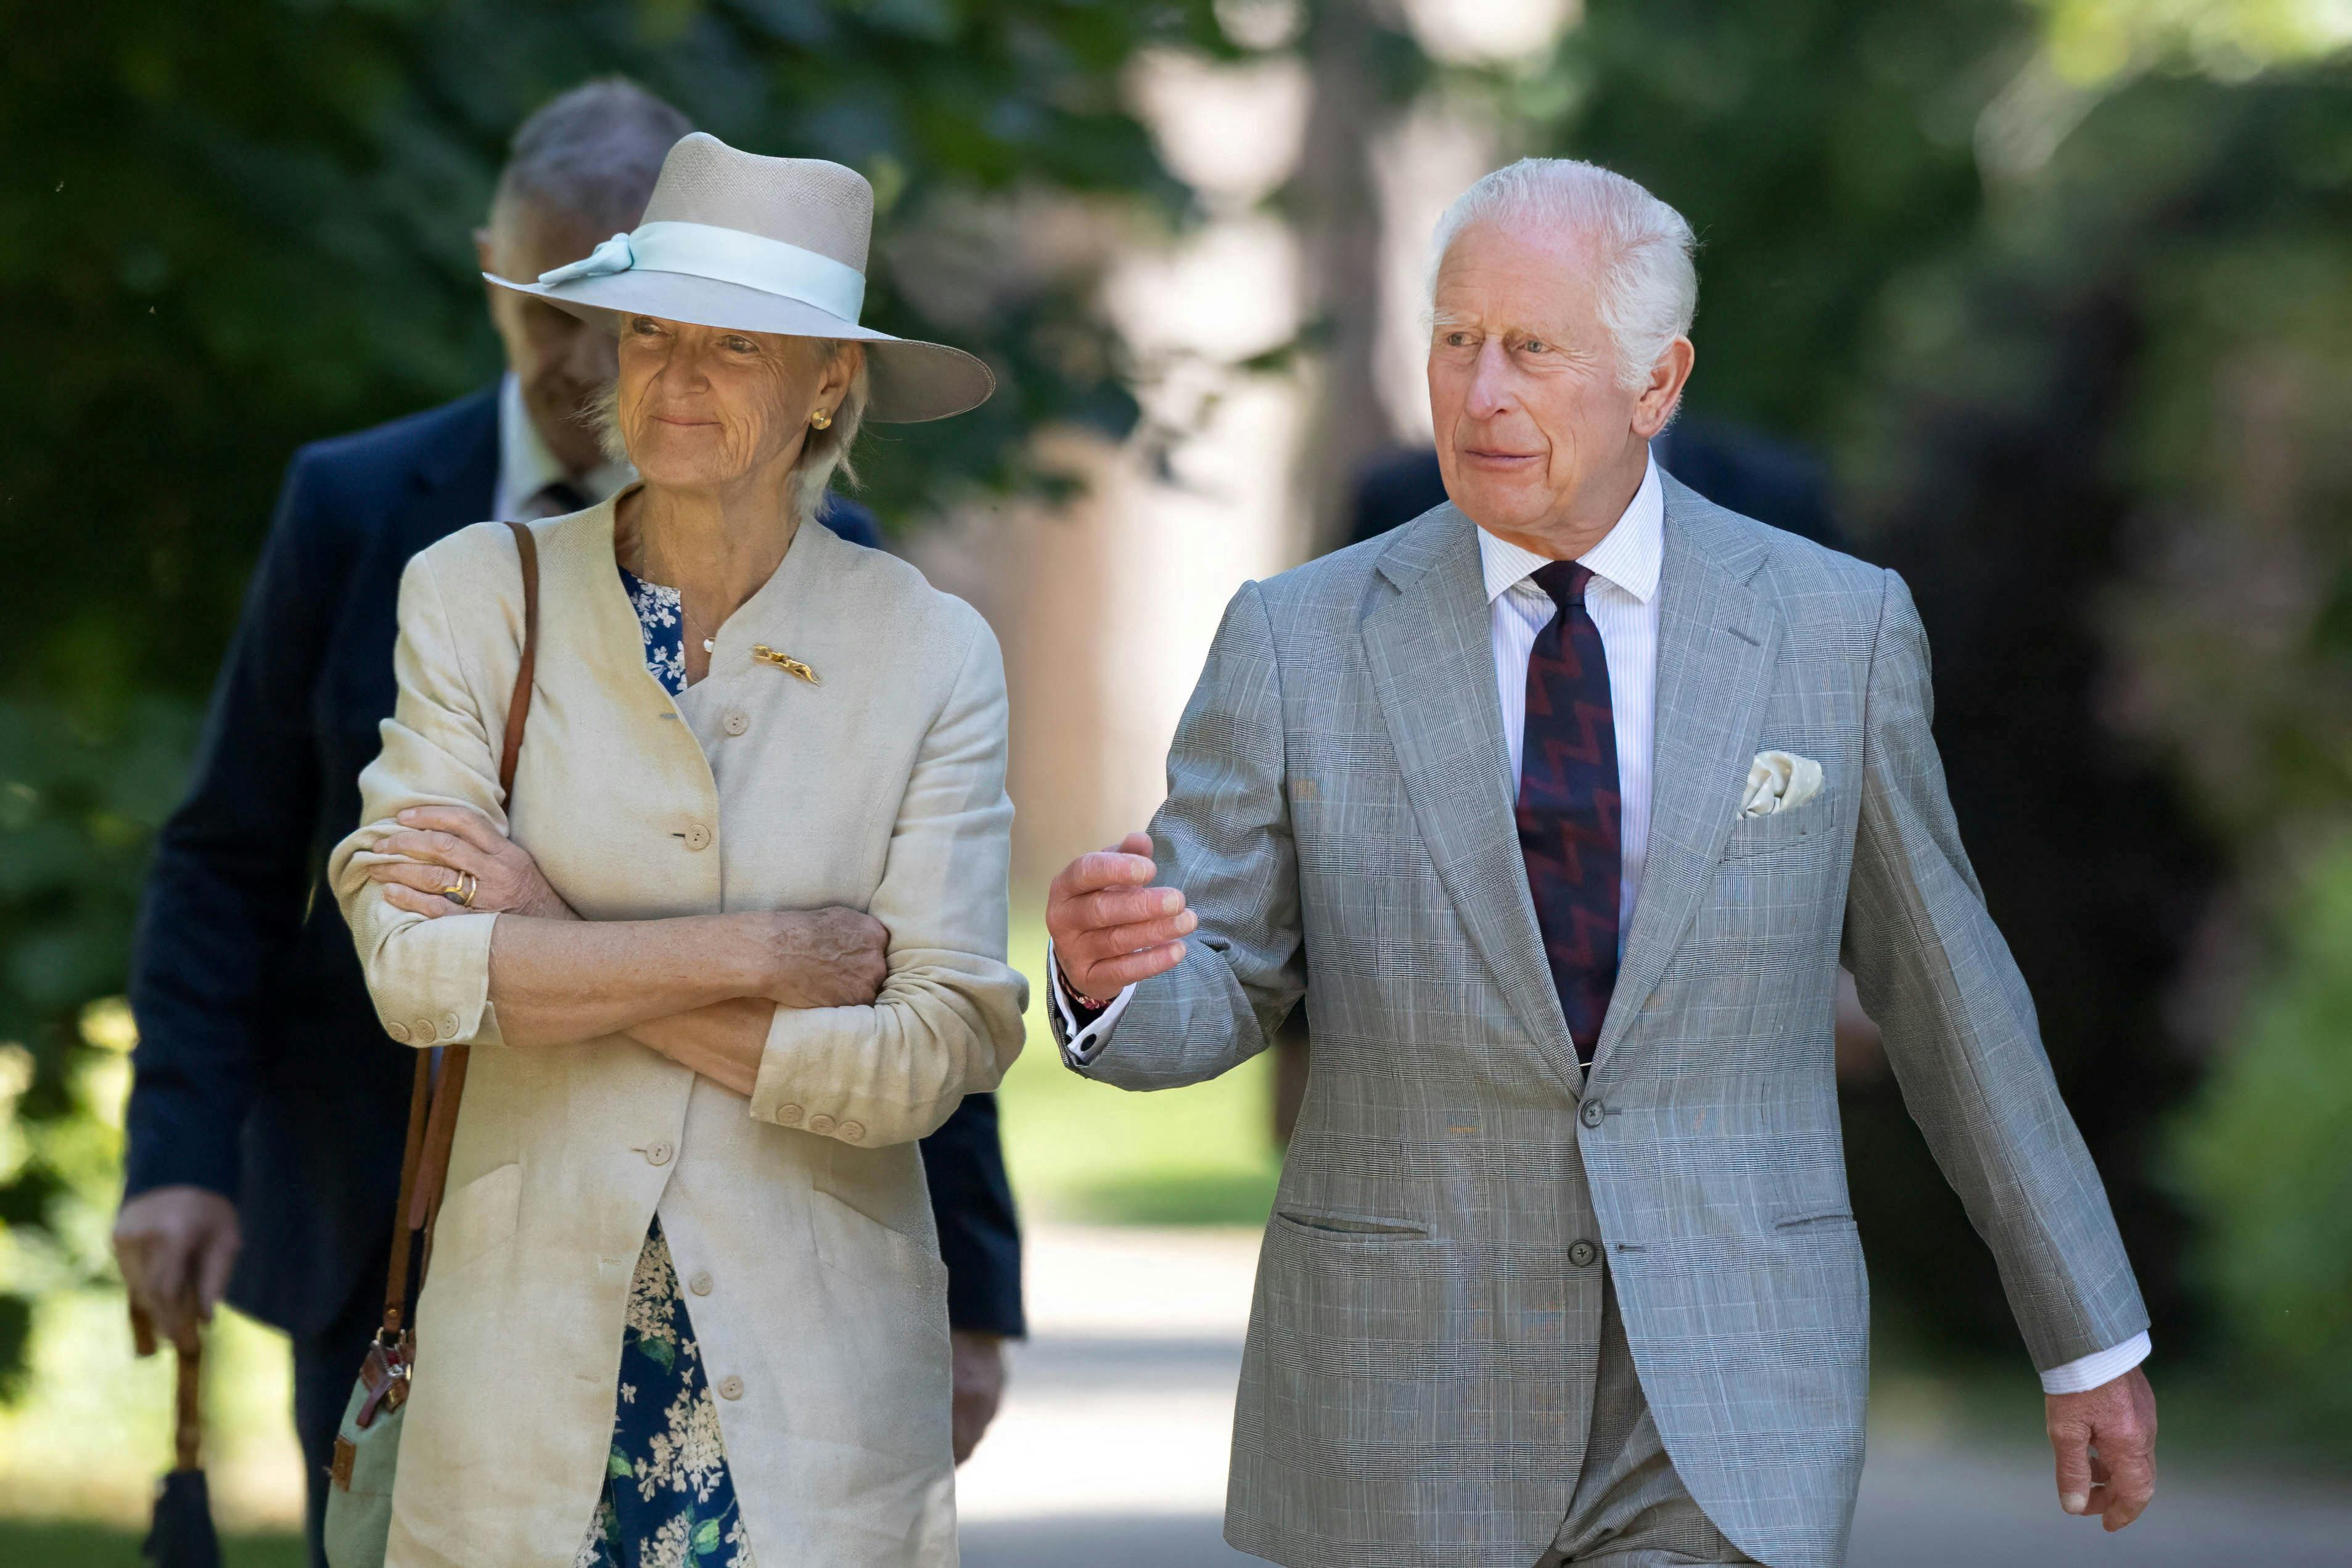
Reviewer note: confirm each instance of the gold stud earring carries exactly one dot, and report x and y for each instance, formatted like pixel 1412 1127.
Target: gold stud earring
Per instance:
pixel 821 419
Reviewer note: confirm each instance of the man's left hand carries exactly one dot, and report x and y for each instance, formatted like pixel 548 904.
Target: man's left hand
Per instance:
pixel 2104 1439
pixel 979 1386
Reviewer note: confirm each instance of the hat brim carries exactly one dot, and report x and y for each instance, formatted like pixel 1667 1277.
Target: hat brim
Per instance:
pixel 907 381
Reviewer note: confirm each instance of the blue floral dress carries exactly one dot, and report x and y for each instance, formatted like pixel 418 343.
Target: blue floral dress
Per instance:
pixel 669 1498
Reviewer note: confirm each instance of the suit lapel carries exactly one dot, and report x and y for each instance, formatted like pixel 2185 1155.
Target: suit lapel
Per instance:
pixel 455 483
pixel 1430 654
pixel 1717 644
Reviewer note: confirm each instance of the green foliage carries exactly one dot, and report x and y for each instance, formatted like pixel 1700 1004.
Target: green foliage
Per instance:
pixel 97 1546
pixel 2262 1160
pixel 227 230
pixel 1819 147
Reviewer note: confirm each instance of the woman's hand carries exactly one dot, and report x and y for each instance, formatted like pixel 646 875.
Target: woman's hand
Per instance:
pixel 441 845
pixel 831 957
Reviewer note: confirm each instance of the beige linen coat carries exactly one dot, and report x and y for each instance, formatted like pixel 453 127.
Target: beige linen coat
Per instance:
pixel 798 1221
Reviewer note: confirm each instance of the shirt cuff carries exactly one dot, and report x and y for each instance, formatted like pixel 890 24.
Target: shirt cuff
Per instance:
pixel 2100 1366
pixel 1081 1039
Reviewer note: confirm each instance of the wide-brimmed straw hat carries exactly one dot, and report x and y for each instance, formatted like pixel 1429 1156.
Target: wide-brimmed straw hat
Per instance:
pixel 762 244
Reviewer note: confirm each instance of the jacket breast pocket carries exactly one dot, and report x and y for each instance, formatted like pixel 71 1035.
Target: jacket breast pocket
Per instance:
pixel 1752 836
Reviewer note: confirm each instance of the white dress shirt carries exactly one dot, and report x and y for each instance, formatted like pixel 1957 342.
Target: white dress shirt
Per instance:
pixel 526 467
pixel 1623 600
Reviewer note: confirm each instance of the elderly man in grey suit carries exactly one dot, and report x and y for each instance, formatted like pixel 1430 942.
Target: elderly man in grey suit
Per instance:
pixel 1559 806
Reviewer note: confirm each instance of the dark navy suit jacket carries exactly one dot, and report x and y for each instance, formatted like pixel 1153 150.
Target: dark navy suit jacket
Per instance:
pixel 261 1070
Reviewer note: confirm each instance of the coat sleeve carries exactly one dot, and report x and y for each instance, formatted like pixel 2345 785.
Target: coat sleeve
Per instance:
pixel 948 1021
pixel 1223 837
pixel 430 978
pixel 225 894
pixel 1960 1031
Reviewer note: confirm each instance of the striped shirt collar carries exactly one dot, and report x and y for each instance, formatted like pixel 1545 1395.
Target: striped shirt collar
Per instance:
pixel 1629 555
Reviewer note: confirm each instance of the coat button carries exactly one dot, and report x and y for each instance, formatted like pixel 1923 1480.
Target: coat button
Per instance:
pixel 730 1387
pixel 659 1154
pixel 700 1283
pixel 450 1025
pixel 1592 1113
pixel 1583 1253
pixel 850 1132
pixel 820 1123
pixel 736 722
pixel 423 1029
pixel 698 836
pixel 788 1115
pixel 398 1031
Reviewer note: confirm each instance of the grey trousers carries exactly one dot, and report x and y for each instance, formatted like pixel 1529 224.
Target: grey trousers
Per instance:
pixel 1630 1509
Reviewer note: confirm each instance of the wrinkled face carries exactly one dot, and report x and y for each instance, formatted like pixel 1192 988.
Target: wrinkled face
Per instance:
pixel 1535 430
pixel 560 360
pixel 704 406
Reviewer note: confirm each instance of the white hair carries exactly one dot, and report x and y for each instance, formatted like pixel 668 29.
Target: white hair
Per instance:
pixel 1648 287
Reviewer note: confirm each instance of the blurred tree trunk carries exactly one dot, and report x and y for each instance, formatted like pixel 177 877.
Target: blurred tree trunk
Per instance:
pixel 1334 202
pixel 1335 208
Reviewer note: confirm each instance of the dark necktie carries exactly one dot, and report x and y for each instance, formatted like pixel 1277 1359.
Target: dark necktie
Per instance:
pixel 1568 808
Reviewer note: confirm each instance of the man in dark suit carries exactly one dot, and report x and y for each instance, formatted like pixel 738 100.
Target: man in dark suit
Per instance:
pixel 267 1117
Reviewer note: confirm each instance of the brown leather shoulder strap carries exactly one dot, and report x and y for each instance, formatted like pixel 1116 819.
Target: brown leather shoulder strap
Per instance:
pixel 518 706
pixel 433 1108
pixel 396 1285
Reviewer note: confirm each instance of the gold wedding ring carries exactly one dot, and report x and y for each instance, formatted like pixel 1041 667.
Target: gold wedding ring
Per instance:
pixel 463 890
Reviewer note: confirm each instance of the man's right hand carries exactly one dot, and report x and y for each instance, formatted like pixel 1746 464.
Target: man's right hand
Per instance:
pixel 175 1246
pixel 1110 927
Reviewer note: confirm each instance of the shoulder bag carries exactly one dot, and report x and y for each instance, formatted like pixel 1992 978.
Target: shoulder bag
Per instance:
pixel 367 1448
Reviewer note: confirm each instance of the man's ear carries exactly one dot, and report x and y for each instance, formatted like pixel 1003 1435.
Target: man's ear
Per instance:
pixel 1668 377
pixel 482 248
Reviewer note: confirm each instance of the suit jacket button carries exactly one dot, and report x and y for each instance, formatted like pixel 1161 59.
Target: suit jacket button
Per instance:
pixel 698 836
pixel 1592 1113
pixel 659 1154
pixel 730 1387
pixel 398 1031
pixel 450 1026
pixel 699 1284
pixel 1582 1254
pixel 788 1115
pixel 820 1123
pixel 423 1029
pixel 736 722
pixel 850 1132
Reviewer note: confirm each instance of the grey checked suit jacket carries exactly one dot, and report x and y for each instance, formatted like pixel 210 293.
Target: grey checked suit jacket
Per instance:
pixel 1418 1379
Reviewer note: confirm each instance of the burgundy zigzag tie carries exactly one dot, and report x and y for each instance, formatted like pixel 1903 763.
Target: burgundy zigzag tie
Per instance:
pixel 1568 808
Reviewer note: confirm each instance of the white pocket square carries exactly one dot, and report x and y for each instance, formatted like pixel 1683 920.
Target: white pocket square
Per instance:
pixel 1778 780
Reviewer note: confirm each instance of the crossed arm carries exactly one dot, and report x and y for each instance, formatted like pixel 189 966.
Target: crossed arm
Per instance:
pixel 700 990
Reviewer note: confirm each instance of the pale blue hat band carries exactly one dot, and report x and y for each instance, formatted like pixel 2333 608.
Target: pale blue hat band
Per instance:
pixel 726 256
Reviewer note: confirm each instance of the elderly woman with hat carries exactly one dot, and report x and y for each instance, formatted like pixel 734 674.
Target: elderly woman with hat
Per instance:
pixel 733 941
